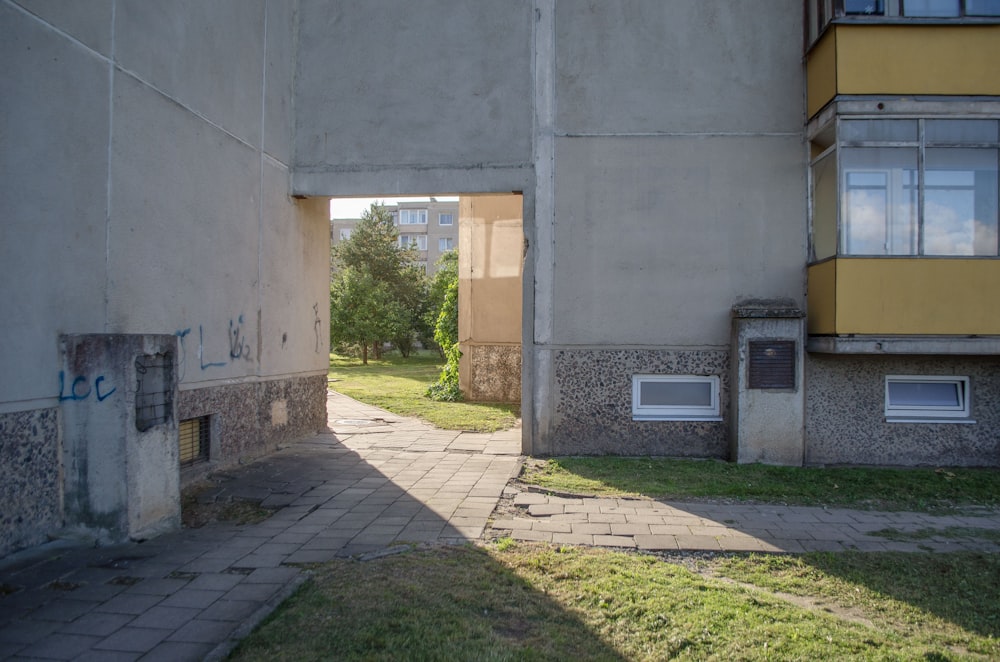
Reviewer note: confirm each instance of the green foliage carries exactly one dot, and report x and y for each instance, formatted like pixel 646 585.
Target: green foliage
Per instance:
pixel 446 336
pixel 400 386
pixel 446 274
pixel 377 293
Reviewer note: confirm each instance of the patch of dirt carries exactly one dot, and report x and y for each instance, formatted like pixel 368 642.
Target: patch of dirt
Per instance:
pixel 201 505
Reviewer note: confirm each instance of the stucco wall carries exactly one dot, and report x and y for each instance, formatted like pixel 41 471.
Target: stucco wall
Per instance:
pixel 144 167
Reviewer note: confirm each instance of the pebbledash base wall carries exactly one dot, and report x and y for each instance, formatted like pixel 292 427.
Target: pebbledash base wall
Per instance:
pixel 252 419
pixel 845 415
pixel 31 490
pixel 593 410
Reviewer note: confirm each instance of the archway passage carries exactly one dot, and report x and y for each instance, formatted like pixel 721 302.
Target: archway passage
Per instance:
pixel 487 231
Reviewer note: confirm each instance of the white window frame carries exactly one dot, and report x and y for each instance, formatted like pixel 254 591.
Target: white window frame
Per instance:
pixel 899 413
pixel 451 219
pixel 640 412
pixel 345 234
pixel 445 244
pixel 419 240
pixel 413 217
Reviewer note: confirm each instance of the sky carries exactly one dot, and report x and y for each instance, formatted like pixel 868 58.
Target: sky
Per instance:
pixel 352 207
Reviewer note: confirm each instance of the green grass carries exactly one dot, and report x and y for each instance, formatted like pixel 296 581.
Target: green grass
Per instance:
pixel 924 490
pixel 398 385
pixel 537 602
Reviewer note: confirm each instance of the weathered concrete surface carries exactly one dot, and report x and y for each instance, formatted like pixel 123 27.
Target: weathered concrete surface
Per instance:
pixel 120 449
pixel 145 167
pixel 767 424
pixel 444 89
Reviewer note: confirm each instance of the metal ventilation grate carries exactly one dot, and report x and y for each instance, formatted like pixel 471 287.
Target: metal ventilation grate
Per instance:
pixel 194 435
pixel 771 364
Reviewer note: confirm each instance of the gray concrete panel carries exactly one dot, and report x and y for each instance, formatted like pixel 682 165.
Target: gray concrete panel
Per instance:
pixel 279 81
pixel 53 182
pixel 183 245
pixel 89 21
pixel 295 294
pixel 208 56
pixel 656 238
pixel 695 65
pixel 382 83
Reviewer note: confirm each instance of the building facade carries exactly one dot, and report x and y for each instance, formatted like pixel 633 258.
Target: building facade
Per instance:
pixel 742 239
pixel 431 227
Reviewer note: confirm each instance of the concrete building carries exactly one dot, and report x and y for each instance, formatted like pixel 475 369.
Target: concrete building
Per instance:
pixel 431 227
pixel 165 168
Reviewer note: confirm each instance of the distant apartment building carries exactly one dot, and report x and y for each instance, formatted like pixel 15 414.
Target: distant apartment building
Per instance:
pixel 430 226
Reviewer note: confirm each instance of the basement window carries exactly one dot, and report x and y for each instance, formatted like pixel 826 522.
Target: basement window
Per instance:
pixel 675 398
pixel 195 436
pixel 922 399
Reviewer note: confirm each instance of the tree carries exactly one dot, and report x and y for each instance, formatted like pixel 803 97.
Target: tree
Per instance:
pixel 377 293
pixel 446 335
pixel 446 274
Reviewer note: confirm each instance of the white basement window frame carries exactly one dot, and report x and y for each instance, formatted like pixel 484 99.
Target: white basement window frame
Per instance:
pixel 675 398
pixel 927 399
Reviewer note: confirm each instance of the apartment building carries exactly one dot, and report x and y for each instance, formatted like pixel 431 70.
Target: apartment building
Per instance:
pixel 903 127
pixel 429 226
pixel 758 231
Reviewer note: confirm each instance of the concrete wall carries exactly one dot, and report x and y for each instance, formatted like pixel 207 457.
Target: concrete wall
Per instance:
pixel 490 257
pixel 144 165
pixel 660 152
pixel 679 179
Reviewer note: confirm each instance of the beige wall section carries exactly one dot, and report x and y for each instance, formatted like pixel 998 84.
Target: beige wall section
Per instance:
pixel 490 260
pixel 906 296
pixel 912 59
pixel 821 73
pixel 822 298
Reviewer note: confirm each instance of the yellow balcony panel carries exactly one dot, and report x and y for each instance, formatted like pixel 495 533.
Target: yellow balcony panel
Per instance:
pixel 904 296
pixel 903 59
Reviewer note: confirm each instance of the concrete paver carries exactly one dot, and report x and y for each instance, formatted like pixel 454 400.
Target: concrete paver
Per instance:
pixel 373 481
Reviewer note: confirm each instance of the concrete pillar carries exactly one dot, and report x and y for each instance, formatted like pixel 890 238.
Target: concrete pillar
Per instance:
pixel 768 396
pixel 118 396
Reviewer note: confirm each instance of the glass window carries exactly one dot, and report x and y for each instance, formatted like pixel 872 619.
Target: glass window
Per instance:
pixel 445 244
pixel 675 397
pixel 938 197
pixel 960 202
pixel 879 189
pixel 446 219
pixel 960 132
pixel 878 130
pixel 824 221
pixel 345 233
pixel 864 7
pixel 413 217
pixel 982 7
pixel 931 8
pixel 912 396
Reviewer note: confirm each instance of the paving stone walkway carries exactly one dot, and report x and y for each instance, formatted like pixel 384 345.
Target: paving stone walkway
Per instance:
pixel 375 479
pixel 372 480
pixel 669 526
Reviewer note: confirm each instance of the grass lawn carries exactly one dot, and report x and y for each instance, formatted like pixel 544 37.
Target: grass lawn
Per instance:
pixel 523 601
pixel 398 385
pixel 923 490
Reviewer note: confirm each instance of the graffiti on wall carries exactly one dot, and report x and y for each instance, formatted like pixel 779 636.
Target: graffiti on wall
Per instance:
pixel 236 342
pixel 81 388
